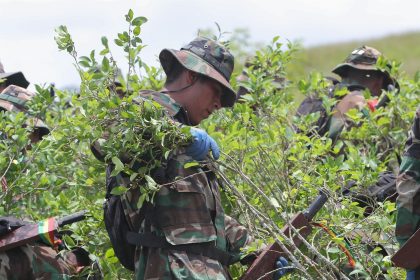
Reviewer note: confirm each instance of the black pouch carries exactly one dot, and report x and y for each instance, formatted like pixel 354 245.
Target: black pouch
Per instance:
pixel 117 227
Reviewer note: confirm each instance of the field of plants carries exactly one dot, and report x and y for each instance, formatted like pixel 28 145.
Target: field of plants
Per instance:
pixel 269 171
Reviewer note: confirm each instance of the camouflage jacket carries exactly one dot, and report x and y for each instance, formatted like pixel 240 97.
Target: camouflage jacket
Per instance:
pixel 187 209
pixel 39 261
pixel 408 186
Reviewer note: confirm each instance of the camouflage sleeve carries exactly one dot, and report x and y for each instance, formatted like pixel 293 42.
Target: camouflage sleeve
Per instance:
pixel 237 235
pixel 408 186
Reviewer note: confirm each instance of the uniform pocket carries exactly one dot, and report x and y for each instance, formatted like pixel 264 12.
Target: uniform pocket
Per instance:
pixel 182 214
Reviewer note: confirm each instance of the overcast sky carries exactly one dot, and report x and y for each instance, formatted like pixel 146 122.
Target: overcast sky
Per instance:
pixel 27 26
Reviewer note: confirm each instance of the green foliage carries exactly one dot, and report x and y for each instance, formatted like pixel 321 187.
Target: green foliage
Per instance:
pixel 270 171
pixel 278 171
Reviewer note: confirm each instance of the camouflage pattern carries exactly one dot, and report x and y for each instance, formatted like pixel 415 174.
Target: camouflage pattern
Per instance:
pixel 38 261
pixel 187 210
pixel 14 98
pixel 363 58
pixel 23 257
pixel 207 57
pixel 408 186
pixel 12 78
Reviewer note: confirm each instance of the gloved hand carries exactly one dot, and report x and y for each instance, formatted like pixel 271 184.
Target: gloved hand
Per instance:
pixel 282 268
pixel 202 143
pixel 411 275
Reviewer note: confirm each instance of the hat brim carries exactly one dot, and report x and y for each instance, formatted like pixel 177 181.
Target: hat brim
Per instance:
pixel 14 78
pixel 6 105
pixel 196 64
pixel 38 125
pixel 343 68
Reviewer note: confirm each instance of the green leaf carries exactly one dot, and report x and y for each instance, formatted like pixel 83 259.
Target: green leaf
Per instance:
pixel 105 64
pixel 141 200
pixel 248 97
pixel 133 176
pixel 384 120
pixel 104 41
pixel 136 30
pixel 84 64
pixel 191 164
pixel 130 15
pixel 85 58
pixel 139 21
pixel 69 241
pixel 119 166
pixel 109 253
pixel 333 250
pixel 118 42
pixel 119 190
pixel 104 52
pixel 150 182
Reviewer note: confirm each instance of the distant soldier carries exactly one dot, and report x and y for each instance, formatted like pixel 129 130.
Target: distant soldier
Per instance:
pixel 35 260
pixel 358 73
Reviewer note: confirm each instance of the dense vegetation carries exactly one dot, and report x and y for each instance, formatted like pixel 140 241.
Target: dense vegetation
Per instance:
pixel 269 171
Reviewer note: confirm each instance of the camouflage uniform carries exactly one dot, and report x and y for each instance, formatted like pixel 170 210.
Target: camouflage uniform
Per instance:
pixel 36 260
pixel 408 186
pixel 187 209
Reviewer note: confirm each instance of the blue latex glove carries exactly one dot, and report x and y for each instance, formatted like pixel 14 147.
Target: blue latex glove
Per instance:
pixel 202 143
pixel 411 275
pixel 280 265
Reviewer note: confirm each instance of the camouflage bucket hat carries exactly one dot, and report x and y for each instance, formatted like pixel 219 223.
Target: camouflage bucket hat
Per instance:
pixel 207 57
pixel 13 78
pixel 14 98
pixel 363 58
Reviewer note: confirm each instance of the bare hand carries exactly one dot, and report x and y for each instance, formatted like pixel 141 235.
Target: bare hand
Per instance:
pixel 352 100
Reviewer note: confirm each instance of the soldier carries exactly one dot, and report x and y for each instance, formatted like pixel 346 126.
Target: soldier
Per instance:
pixel 35 260
pixel 185 233
pixel 408 188
pixel 358 73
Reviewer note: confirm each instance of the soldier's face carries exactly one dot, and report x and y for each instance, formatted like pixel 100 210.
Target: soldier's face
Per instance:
pixel 205 98
pixel 373 80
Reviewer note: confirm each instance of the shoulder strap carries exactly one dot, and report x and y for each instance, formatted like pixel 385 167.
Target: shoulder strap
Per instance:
pixel 171 107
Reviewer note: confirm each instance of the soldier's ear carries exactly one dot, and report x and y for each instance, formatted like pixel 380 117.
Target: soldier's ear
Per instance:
pixel 191 77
